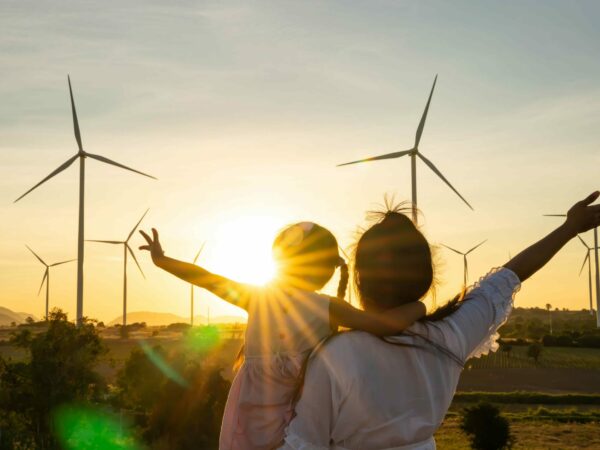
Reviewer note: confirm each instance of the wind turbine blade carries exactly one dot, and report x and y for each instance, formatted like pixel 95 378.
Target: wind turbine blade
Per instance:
pixel 43 279
pixel 450 248
pixel 587 256
pixel 62 167
pixel 75 121
pixel 63 262
pixel 137 225
pixel 481 243
pixel 36 255
pixel 466 269
pixel 104 242
pixel 110 161
pixel 583 242
pixel 199 251
pixel 377 158
pixel 424 116
pixel 555 215
pixel 439 174
pixel 135 259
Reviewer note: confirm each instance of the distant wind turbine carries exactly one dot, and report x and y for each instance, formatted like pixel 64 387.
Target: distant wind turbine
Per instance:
pixel 192 287
pixel 126 248
pixel 597 268
pixel 81 155
pixel 47 277
pixel 349 287
pixel 588 259
pixel 464 255
pixel 414 153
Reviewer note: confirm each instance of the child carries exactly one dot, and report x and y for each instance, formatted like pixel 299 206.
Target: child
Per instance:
pixel 286 320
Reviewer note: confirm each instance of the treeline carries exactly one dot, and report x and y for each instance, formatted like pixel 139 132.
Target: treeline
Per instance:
pixel 55 399
pixel 552 327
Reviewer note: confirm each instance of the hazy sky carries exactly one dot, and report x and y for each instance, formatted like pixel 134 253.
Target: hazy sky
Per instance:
pixel 243 109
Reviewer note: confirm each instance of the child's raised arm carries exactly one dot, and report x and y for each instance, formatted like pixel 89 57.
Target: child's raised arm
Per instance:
pixel 581 217
pixel 238 294
pixel 384 323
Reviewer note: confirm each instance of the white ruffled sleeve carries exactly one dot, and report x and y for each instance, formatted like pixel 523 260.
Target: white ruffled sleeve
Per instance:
pixel 486 308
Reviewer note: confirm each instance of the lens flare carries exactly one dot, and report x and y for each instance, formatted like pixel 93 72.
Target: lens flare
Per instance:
pixel 162 365
pixel 203 339
pixel 83 427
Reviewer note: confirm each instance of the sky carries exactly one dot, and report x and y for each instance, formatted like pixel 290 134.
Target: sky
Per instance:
pixel 242 109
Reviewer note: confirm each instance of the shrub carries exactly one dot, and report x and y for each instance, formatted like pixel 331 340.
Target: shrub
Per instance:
pixel 486 428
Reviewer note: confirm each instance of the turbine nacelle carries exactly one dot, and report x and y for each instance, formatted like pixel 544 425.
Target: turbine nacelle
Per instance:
pixel 413 153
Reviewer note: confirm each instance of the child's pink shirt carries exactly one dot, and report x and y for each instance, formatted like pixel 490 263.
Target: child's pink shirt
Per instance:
pixel 283 327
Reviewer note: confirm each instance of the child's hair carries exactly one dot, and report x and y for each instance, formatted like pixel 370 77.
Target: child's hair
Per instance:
pixel 307 256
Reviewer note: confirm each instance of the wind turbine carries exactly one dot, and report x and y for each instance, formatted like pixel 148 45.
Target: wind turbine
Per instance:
pixel 192 288
pixel 597 268
pixel 588 259
pixel 464 255
pixel 81 155
pixel 46 277
pixel 414 153
pixel 349 288
pixel 126 248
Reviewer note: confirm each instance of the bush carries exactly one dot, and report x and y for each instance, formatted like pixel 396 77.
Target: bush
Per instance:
pixel 486 428
pixel 534 351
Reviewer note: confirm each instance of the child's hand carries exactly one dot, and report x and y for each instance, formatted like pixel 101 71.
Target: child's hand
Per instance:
pixel 583 217
pixel 153 246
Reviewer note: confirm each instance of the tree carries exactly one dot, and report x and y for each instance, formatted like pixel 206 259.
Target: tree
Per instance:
pixel 534 351
pixel 486 428
pixel 60 371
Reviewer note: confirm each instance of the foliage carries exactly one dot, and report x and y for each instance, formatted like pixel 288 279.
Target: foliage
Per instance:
pixel 172 414
pixel 60 370
pixel 486 428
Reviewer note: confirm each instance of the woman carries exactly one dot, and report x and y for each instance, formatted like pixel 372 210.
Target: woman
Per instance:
pixel 362 392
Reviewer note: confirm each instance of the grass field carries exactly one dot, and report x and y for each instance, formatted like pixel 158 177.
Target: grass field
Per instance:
pixel 530 435
pixel 551 357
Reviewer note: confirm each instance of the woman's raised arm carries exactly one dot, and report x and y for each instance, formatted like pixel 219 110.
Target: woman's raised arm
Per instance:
pixel 581 217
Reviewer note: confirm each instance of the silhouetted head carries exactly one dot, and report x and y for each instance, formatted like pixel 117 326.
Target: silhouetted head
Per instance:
pixel 393 263
pixel 306 255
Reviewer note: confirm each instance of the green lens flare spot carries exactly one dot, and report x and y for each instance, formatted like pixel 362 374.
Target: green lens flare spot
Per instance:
pixel 86 428
pixel 203 339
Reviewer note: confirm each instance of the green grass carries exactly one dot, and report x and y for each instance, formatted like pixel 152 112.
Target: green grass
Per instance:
pixel 528 398
pixel 530 435
pixel 551 357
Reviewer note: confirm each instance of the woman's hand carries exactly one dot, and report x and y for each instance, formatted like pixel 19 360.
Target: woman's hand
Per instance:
pixel 153 246
pixel 583 217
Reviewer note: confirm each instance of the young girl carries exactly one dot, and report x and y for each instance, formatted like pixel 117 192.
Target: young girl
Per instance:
pixel 286 320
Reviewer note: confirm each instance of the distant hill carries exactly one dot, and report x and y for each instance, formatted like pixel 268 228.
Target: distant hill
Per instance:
pixel 153 319
pixel 8 316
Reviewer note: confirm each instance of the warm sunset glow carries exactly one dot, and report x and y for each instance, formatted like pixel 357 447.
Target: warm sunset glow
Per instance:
pixel 244 249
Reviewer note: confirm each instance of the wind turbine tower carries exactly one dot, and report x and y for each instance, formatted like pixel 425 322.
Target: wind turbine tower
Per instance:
pixel 126 248
pixel 46 277
pixel 465 264
pixel 597 268
pixel 192 288
pixel 81 155
pixel 414 153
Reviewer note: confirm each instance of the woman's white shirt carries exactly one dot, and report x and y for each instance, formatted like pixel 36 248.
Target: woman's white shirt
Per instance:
pixel 361 392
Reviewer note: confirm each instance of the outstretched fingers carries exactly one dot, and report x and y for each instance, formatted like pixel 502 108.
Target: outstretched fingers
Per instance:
pixel 590 199
pixel 147 238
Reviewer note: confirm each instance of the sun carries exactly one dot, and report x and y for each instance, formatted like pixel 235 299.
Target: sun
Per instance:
pixel 243 249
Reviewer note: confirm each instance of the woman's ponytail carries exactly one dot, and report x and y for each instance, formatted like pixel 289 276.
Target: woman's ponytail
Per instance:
pixel 343 284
